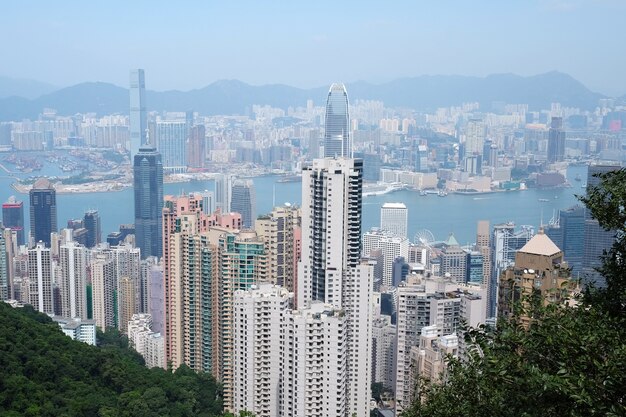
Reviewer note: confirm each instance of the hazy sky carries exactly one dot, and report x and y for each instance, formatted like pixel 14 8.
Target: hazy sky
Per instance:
pixel 185 44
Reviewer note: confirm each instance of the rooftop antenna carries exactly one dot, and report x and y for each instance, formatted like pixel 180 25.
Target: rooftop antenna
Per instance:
pixel 147 136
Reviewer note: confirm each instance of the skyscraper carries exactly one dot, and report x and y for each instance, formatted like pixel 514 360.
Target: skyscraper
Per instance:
pixel 138 120
pixel 40 279
pixel 393 218
pixel 13 217
pixel 73 280
pixel 331 227
pixel 223 189
pixel 337 129
pixel 91 222
pixel 171 141
pixel 196 147
pixel 148 183
pixel 43 211
pixel 244 202
pixel 556 140
pixel 597 240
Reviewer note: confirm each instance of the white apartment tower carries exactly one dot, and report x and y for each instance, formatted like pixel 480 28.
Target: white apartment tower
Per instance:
pixel 40 278
pixel 394 218
pixel 392 246
pixel 73 280
pixel 104 284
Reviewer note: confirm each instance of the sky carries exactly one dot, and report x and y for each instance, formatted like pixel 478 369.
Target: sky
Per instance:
pixel 189 44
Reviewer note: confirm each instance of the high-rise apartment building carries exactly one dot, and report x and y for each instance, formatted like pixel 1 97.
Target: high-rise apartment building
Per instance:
pixel 453 260
pixel 337 141
pixel 126 301
pixel 138 118
pixel 475 132
pixel 279 232
pixel 539 270
pixel 13 217
pixel 40 278
pixel 394 218
pixel 597 240
pixel 383 351
pixel 147 343
pixel 171 141
pixel 483 245
pixel 243 201
pixel 556 140
pixel 73 280
pixel 43 211
pixel 91 222
pixel 148 184
pixel 104 288
pixel 6 257
pixel 331 227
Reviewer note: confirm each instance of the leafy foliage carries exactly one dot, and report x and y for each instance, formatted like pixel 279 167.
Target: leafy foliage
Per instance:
pixel 569 362
pixel 45 373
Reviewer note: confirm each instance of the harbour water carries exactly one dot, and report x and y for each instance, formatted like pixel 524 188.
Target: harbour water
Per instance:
pixel 441 215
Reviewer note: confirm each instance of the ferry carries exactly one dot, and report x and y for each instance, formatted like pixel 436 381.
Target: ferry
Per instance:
pixel 577 178
pixel 543 200
pixel 381 188
pixel 290 178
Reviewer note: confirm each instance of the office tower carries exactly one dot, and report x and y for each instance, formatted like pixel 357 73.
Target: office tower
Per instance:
pixel 421 158
pixel 6 292
pixel 475 268
pixel 278 231
pixel 145 341
pixel 243 201
pixel 13 217
pixel 331 227
pixel 556 141
pixel 394 218
pixel 539 270
pixel 597 240
pixel 91 222
pixel 392 247
pixel 505 242
pixel 371 167
pixel 171 141
pixel 337 141
pixel 40 278
pixel 190 295
pixel 73 280
pixel 400 270
pixel 330 270
pixel 43 211
pixel 223 188
pixel 383 351
pixel 196 147
pixel 138 120
pixel 258 345
pixel 453 260
pixel 423 302
pixel 148 183
pixel 126 302
pixel 104 288
pixel 208 202
pixel 569 234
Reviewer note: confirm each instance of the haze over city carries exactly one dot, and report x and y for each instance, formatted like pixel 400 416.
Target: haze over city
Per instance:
pixel 189 45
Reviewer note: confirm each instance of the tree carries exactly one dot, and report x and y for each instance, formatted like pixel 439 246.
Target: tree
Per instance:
pixel 569 361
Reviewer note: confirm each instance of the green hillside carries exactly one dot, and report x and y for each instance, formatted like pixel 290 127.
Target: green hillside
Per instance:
pixel 45 373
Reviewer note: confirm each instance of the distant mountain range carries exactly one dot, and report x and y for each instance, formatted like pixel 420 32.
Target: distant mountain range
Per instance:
pixel 236 97
pixel 24 88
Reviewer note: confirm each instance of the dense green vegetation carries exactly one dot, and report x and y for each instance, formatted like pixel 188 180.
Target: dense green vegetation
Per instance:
pixel 45 373
pixel 571 360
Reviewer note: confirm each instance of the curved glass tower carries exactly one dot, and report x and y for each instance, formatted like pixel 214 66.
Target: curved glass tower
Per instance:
pixel 337 130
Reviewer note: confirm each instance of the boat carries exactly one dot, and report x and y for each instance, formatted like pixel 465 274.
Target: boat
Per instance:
pixel 423 193
pixel 543 200
pixel 381 188
pixel 577 178
pixel 442 193
pixel 290 178
pixel 583 185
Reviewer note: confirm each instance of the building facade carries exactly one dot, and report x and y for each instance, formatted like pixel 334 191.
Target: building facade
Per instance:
pixel 148 184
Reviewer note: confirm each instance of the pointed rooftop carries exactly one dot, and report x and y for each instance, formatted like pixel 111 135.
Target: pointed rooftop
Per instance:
pixel 451 240
pixel 540 244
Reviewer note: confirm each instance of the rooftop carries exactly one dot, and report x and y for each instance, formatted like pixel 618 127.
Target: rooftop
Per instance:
pixel 540 244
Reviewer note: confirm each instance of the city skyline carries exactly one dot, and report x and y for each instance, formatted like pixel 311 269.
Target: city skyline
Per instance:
pixel 446 32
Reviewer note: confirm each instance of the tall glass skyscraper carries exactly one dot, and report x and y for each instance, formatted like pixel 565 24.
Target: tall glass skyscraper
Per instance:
pixel 337 131
pixel 13 217
pixel 148 183
pixel 244 202
pixel 138 121
pixel 43 211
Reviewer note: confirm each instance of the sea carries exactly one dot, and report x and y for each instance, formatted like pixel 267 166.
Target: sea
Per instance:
pixel 440 216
